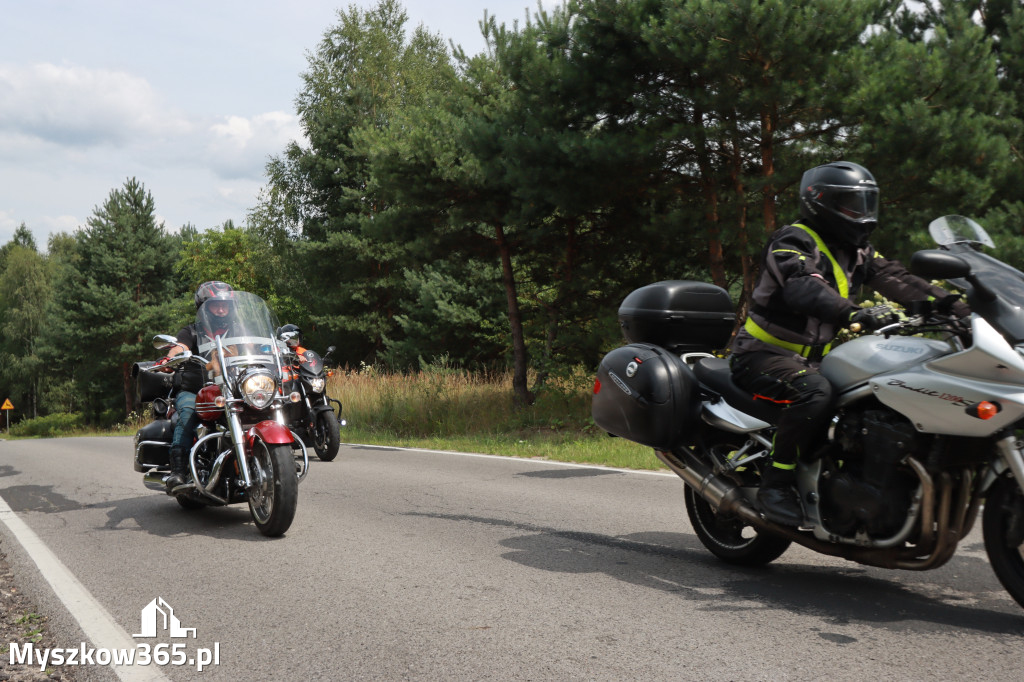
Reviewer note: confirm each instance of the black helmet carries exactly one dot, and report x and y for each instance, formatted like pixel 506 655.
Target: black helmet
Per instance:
pixel 294 337
pixel 841 200
pixel 208 290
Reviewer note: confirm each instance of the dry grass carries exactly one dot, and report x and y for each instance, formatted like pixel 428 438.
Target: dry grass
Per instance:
pixel 449 409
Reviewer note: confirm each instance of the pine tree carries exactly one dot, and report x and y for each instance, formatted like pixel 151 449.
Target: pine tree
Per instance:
pixel 363 71
pixel 117 290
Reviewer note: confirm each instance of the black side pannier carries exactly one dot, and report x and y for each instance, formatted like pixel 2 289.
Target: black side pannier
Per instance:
pixel 678 315
pixel 646 394
pixel 151 385
pixel 153 444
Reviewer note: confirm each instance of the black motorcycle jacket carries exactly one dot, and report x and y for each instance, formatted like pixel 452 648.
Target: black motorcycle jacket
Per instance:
pixel 189 376
pixel 806 290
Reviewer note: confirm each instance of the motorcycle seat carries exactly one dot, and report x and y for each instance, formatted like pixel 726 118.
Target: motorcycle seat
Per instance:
pixel 715 374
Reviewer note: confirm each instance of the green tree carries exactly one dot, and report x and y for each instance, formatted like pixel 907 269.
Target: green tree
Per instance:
pixel 22 237
pixel 362 72
pixel 1003 21
pixel 116 291
pixel 238 256
pixel 741 97
pixel 944 144
pixel 454 311
pixel 25 289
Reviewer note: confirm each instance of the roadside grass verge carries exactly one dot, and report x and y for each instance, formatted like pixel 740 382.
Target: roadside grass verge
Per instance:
pixel 441 408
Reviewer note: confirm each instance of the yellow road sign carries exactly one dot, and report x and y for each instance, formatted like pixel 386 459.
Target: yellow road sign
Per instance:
pixel 7 405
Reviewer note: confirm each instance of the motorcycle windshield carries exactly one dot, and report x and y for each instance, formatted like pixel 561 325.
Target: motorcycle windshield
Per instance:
pixel 958 229
pixel 964 237
pixel 245 326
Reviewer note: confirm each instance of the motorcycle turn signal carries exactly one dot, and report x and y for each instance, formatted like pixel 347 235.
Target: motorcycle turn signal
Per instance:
pixel 984 410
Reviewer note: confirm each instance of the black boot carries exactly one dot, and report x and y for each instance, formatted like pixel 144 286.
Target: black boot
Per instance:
pixel 178 473
pixel 778 497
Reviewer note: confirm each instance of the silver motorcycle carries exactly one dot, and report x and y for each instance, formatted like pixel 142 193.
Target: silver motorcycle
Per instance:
pixel 927 430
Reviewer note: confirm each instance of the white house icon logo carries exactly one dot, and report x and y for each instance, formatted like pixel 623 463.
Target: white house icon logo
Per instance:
pixel 158 614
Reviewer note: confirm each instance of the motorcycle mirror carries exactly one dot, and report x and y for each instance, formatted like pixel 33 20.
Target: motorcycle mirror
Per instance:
pixel 162 341
pixel 330 349
pixel 934 264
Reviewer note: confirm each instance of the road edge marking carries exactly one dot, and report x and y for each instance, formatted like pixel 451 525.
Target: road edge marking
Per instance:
pixel 513 458
pixel 95 622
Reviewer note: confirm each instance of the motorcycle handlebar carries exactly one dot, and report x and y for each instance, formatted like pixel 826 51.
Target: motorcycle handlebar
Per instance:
pixel 913 321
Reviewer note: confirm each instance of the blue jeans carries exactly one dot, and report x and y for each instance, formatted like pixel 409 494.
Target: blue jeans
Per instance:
pixel 188 420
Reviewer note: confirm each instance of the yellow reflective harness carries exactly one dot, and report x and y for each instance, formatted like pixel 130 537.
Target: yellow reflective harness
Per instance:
pixel 759 333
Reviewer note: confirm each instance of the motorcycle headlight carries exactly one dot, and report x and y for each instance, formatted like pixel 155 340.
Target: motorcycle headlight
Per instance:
pixel 317 384
pixel 258 390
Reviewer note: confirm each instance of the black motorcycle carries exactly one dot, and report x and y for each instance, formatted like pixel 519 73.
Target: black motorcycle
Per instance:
pixel 316 417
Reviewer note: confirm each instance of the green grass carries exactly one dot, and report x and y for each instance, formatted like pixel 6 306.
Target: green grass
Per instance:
pixel 605 451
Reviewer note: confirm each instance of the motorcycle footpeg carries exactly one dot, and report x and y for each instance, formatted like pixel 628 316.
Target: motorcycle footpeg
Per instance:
pixel 182 489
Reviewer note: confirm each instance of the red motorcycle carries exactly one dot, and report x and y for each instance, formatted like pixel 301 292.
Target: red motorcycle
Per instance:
pixel 244 450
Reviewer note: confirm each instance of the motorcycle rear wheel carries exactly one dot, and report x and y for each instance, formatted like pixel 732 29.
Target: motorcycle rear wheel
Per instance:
pixel 728 538
pixel 275 492
pixel 326 436
pixel 1003 530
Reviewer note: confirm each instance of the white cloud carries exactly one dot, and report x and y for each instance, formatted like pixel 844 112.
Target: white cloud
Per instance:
pixel 239 147
pixel 70 135
pixel 80 107
pixel 107 90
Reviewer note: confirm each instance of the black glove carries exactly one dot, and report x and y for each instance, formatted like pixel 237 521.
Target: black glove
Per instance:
pixel 874 318
pixel 946 304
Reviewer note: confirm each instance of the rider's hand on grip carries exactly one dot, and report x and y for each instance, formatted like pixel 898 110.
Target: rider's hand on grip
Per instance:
pixel 158 365
pixel 873 318
pixel 945 305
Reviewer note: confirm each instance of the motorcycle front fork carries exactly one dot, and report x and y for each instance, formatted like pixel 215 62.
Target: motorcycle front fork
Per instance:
pixel 1011 451
pixel 238 438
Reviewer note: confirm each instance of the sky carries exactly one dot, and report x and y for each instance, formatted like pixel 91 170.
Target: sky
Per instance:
pixel 189 97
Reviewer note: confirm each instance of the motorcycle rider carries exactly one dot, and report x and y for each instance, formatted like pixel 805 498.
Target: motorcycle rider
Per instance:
pixel 811 271
pixel 294 341
pixel 188 378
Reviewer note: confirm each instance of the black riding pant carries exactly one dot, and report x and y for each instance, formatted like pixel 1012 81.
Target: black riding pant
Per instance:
pixel 797 384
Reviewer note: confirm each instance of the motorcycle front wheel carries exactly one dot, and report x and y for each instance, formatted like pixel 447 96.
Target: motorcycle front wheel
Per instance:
pixel 728 538
pixel 1003 530
pixel 326 435
pixel 274 495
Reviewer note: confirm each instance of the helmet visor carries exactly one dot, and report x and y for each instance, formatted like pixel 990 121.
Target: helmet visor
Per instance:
pixel 856 204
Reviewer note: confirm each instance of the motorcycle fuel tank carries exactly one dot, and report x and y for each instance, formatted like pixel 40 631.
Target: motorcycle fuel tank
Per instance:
pixel 856 361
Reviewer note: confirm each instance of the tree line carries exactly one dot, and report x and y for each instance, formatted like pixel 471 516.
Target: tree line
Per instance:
pixel 492 210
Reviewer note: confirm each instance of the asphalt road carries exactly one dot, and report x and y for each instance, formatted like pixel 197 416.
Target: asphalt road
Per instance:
pixel 438 566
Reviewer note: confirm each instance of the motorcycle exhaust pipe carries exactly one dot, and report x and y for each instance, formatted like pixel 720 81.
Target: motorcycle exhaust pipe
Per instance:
pixel 715 490
pixel 154 479
pixel 727 497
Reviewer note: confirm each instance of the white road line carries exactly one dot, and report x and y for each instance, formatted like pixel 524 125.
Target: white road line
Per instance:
pixel 99 627
pixel 512 458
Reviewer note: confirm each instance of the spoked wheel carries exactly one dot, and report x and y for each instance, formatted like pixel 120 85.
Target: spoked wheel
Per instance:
pixel 1003 529
pixel 729 538
pixel 326 435
pixel 275 492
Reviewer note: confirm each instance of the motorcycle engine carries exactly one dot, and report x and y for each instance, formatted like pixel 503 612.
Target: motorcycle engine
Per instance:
pixel 866 488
